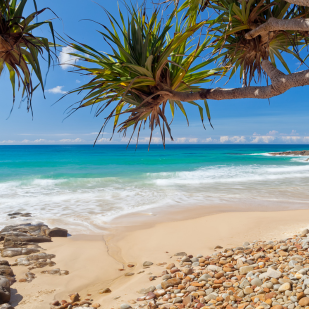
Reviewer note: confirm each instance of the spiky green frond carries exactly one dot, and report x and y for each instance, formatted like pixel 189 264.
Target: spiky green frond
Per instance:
pixel 20 50
pixel 145 58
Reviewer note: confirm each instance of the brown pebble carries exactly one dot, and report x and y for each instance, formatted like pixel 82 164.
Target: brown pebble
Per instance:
pixel 107 290
pixel 96 305
pixel 22 280
pixel 56 303
pixel 74 297
pixel 304 302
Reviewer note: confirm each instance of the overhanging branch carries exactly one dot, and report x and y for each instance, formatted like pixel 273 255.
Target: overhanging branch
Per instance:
pixel 274 24
pixel 280 84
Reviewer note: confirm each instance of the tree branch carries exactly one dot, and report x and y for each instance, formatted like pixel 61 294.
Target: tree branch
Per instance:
pixel 299 2
pixel 280 84
pixel 274 24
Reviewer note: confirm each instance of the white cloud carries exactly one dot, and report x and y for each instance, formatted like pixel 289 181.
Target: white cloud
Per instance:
pixel 41 140
pixel 67 140
pixel 306 139
pixel 293 132
pixel 263 139
pixel 103 140
pixel 238 139
pixel 7 142
pixel 290 139
pixel 224 139
pixel 65 59
pixel 208 140
pixel 233 139
pixel 78 81
pixel 193 140
pixel 56 90
pixel 273 132
pixel 180 140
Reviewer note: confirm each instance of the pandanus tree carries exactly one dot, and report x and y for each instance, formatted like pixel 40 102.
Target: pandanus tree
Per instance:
pixel 155 64
pixel 145 61
pixel 20 50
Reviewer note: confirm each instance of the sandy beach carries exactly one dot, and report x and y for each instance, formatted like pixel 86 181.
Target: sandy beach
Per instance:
pixel 94 260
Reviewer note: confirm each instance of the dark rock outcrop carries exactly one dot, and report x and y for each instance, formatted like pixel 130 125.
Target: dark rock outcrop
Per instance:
pixel 291 153
pixel 5 291
pixel 57 232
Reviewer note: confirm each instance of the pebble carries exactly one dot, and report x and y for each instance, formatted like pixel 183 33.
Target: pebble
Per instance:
pixel 258 275
pixel 147 263
pixel 125 306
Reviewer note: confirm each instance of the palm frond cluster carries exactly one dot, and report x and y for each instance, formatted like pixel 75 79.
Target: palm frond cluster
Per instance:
pixel 236 18
pixel 144 59
pixel 19 48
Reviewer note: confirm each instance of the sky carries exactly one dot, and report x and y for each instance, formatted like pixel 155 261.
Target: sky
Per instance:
pixel 282 119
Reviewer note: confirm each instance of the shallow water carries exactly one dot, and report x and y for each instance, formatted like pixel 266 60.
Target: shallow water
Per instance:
pixel 84 187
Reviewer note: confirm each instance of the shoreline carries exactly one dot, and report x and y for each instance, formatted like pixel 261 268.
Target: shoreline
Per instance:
pixel 94 260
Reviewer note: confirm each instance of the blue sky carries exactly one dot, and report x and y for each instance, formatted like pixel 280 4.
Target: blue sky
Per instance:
pixel 284 120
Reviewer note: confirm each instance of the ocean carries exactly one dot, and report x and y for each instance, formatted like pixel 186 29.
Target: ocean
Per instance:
pixel 83 187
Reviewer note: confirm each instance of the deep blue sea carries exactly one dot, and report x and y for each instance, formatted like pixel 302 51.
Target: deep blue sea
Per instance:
pixel 87 186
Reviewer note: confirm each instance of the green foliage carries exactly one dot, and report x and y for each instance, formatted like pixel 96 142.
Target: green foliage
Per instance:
pixel 236 18
pixel 19 48
pixel 145 59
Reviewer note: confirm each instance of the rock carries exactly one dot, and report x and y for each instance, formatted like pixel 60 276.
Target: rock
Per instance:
pixel 145 291
pixel 6 271
pixel 271 273
pixel 96 305
pixel 74 297
pixel 289 153
pixel 171 282
pixel 218 247
pixel 6 306
pixel 256 282
pixel 304 302
pixel 187 300
pixel 25 239
pixel 55 303
pixel 248 290
pixel 23 280
pixel 4 262
pixel 150 295
pixel 214 268
pixel 277 307
pixel 285 287
pixel 105 291
pixel 177 300
pixel 55 271
pixel 159 292
pixel 180 254
pixel 129 274
pixel 147 263
pixel 10 252
pixel 125 306
pixel 57 232
pixel 245 269
pixel 5 291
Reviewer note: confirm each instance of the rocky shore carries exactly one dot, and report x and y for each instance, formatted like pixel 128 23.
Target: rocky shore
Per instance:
pixel 291 153
pixel 24 241
pixel 261 275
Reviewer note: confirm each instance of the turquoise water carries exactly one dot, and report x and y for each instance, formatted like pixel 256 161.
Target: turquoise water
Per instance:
pixel 87 186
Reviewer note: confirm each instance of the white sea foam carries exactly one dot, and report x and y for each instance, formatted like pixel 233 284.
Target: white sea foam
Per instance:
pixel 88 204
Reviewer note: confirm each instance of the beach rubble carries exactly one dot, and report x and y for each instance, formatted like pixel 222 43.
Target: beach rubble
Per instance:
pixel 257 275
